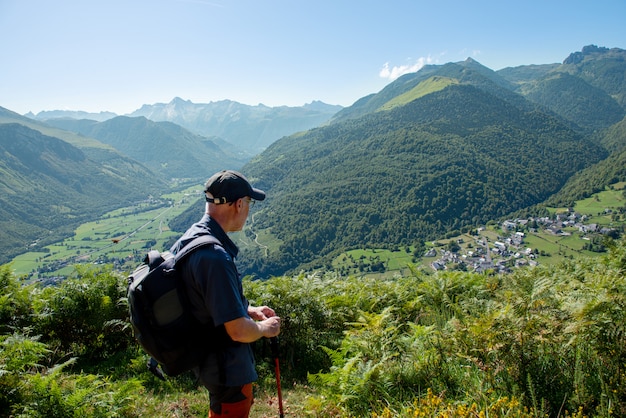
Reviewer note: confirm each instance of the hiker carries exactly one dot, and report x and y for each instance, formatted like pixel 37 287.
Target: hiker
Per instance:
pixel 216 294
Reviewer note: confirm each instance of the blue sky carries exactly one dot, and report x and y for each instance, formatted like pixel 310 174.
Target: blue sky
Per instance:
pixel 116 55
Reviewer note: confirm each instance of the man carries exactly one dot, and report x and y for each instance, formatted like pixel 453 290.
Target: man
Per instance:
pixel 216 295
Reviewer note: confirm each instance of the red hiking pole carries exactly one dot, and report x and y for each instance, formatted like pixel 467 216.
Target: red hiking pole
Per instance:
pixel 274 345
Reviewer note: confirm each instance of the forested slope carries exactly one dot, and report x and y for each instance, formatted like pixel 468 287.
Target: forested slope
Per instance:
pixel 456 157
pixel 597 177
pixel 588 88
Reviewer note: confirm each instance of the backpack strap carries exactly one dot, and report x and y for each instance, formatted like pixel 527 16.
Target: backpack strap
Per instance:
pixel 196 243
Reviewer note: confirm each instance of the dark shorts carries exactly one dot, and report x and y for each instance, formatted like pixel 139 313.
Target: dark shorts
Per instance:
pixel 230 401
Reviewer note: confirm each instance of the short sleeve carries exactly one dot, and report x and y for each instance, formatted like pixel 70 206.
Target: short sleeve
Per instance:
pixel 215 287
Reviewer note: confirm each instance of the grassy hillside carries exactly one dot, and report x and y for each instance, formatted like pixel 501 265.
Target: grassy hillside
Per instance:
pixel 425 87
pixel 467 72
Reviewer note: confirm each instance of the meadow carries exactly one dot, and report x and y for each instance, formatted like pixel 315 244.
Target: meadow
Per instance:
pixel 121 237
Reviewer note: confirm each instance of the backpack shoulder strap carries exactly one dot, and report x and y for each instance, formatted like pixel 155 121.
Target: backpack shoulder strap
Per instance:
pixel 196 243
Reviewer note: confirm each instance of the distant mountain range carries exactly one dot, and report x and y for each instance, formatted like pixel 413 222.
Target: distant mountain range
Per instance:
pixel 446 148
pixel 249 128
pixel 123 159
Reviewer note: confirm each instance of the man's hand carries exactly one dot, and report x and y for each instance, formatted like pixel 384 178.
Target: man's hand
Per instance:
pixel 260 313
pixel 271 327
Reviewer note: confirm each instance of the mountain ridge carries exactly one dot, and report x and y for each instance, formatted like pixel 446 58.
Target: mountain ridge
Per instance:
pixel 249 128
pixel 166 148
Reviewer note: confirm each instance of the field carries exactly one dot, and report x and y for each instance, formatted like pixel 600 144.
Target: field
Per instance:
pixel 120 236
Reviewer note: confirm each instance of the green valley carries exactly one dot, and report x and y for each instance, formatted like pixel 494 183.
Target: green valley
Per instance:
pixel 120 237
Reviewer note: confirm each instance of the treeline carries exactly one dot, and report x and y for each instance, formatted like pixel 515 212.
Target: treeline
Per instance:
pixel 537 342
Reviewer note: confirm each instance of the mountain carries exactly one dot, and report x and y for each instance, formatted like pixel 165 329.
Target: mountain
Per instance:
pixel 601 67
pixel 571 97
pixel 49 186
pixel 164 147
pixel 411 87
pixel 446 148
pixel 251 128
pixel 453 158
pixel 587 89
pixel 237 128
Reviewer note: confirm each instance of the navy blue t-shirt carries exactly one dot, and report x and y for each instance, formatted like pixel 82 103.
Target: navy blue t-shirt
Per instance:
pixel 216 294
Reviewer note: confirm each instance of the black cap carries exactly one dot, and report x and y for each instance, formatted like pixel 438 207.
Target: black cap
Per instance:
pixel 228 186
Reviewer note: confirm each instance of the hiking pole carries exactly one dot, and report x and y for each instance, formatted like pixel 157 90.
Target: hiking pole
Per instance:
pixel 274 346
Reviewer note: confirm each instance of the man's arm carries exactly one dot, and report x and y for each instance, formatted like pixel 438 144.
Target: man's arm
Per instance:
pixel 246 330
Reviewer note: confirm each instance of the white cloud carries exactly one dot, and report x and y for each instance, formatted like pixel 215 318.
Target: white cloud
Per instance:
pixel 397 71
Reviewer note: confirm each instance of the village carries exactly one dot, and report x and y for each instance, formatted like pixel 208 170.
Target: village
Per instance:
pixel 511 250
